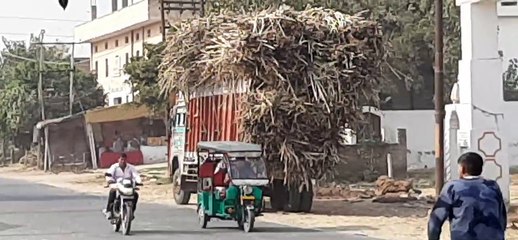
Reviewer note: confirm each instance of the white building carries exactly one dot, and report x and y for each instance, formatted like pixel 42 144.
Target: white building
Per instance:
pixel 118 36
pixel 420 123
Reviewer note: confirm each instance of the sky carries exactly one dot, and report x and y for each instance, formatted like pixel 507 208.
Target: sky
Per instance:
pixel 20 18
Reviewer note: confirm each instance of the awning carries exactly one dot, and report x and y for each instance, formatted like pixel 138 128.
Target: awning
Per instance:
pixel 123 112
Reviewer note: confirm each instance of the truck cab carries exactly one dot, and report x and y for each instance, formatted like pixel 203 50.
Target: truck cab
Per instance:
pixel 183 167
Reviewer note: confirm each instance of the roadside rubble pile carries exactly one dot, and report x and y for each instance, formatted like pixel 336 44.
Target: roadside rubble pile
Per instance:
pixel 307 75
pixel 384 190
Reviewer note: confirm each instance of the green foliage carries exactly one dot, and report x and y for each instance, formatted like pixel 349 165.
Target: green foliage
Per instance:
pixel 510 78
pixel 19 105
pixel 143 72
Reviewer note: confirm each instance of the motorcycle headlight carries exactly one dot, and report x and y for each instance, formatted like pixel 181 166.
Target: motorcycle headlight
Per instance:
pixel 247 190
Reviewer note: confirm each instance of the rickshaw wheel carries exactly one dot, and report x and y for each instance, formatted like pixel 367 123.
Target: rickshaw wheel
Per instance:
pixel 249 220
pixel 203 219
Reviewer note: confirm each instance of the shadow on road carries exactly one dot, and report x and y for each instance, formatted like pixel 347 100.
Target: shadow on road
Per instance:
pixel 209 230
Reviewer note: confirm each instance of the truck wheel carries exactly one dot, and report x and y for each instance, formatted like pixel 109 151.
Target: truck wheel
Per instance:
pixel 180 197
pixel 306 199
pixel 278 195
pixel 294 197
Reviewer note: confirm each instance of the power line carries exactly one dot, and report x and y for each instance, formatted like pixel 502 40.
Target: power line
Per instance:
pixel 32 60
pixel 26 34
pixel 43 19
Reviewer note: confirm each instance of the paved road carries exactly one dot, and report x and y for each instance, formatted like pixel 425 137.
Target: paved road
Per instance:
pixel 38 212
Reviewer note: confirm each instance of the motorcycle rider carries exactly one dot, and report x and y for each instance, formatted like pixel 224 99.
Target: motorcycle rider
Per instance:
pixel 117 171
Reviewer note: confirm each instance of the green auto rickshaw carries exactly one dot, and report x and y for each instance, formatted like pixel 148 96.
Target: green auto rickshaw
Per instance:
pixel 230 180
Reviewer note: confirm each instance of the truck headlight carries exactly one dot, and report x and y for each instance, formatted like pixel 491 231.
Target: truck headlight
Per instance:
pixel 247 190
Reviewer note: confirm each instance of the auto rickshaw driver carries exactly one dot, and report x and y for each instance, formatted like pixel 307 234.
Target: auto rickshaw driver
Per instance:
pixel 222 167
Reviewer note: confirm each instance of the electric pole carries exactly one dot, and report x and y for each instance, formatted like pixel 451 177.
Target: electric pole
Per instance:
pixel 71 89
pixel 71 70
pixel 40 76
pixel 439 98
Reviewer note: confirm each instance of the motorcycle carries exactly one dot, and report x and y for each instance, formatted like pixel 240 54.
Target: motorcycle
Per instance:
pixel 122 207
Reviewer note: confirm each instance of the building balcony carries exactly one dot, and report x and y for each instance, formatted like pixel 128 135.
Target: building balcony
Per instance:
pixel 136 15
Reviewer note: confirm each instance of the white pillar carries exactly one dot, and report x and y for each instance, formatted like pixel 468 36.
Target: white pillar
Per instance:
pixel 481 90
pixel 451 145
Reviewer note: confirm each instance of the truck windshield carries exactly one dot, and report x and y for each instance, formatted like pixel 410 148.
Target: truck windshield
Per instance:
pixel 247 168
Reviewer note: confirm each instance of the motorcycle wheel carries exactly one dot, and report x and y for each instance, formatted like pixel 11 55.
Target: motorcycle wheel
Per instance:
pixel 249 220
pixel 126 221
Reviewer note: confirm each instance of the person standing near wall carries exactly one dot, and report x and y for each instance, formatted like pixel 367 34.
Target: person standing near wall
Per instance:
pixel 474 206
pixel 118 144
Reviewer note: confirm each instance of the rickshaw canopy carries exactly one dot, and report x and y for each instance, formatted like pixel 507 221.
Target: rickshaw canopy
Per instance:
pixel 228 147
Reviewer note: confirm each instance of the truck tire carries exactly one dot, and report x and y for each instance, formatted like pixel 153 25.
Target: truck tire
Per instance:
pixel 293 203
pixel 278 195
pixel 180 197
pixel 306 199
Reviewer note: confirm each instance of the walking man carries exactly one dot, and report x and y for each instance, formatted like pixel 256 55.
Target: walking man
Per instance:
pixel 473 205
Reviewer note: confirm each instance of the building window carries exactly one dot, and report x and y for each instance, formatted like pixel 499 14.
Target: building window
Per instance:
pixel 117 101
pixel 96 70
pixel 137 36
pixel 126 39
pixel 114 5
pixel 127 58
pixel 508 3
pixel 106 72
pixel 96 49
pixel 149 33
pixel 138 53
pixel 116 43
pixel 124 3
pixel 105 45
pixel 117 68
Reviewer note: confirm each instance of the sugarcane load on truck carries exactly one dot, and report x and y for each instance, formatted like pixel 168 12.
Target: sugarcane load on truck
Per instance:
pixel 286 80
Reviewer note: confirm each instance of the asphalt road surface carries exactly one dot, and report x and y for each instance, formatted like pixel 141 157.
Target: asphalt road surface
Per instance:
pixel 38 212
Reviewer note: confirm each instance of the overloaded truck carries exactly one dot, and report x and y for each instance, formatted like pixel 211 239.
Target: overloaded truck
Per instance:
pixel 286 79
pixel 214 116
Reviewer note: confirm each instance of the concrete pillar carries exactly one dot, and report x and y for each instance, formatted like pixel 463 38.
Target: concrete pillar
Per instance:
pixel 451 146
pixel 480 76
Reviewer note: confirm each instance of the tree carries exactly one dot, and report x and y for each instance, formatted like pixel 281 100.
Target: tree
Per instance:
pixel 408 25
pixel 143 77
pixel 19 106
pixel 510 78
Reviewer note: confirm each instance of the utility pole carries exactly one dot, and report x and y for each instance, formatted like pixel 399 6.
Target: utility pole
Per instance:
pixel 40 76
pixel 439 98
pixel 71 89
pixel 71 70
